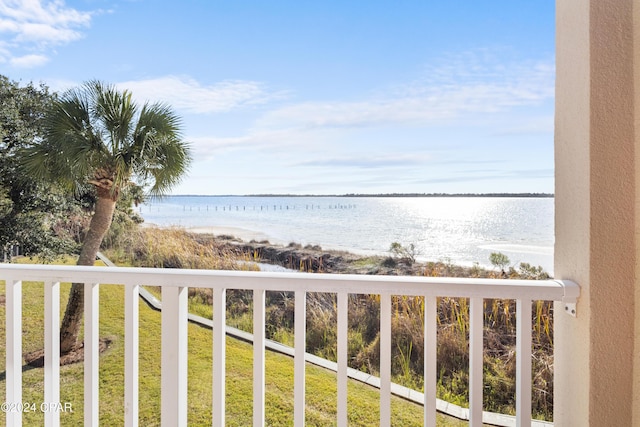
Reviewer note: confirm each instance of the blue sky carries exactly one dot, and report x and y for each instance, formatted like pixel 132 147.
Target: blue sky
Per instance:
pixel 318 97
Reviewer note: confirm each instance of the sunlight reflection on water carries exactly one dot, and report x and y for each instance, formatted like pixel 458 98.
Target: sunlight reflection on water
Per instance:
pixel 460 229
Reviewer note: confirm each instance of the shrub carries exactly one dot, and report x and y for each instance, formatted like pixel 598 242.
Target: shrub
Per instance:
pixel 406 254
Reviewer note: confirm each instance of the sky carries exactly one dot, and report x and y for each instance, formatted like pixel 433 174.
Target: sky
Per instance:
pixel 317 97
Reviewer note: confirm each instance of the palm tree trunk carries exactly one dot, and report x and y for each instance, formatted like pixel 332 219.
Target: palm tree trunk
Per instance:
pixel 100 223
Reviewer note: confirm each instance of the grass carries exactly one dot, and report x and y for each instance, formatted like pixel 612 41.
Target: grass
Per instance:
pixel 321 384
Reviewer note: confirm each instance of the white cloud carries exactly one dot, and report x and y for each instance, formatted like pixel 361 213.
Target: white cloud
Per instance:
pixel 460 87
pixel 466 91
pixel 29 61
pixel 45 34
pixel 208 147
pixel 205 147
pixel 187 94
pixel 33 26
pixel 369 161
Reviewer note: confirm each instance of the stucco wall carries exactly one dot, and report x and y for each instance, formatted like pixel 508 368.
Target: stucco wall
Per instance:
pixel 572 240
pixel 636 78
pixel 596 211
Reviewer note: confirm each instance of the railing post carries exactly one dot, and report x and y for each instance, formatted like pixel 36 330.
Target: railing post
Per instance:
pixel 430 360
pixel 385 360
pixel 13 336
pixel 300 336
pixel 219 356
pixel 343 354
pixel 476 347
pixel 131 350
pixel 174 356
pixel 523 363
pixel 91 353
pixel 258 356
pixel 51 351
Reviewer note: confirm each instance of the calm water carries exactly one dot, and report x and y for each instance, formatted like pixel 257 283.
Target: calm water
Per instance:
pixel 460 229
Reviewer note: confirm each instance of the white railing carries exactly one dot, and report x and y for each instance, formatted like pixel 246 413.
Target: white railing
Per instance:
pixel 175 283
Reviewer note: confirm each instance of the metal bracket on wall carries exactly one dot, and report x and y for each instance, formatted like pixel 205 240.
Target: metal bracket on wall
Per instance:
pixel 570 298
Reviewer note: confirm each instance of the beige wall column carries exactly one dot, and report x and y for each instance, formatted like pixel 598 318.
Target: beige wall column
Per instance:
pixel 636 118
pixel 596 197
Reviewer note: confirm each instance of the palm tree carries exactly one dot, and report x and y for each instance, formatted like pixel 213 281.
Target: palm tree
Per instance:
pixel 97 136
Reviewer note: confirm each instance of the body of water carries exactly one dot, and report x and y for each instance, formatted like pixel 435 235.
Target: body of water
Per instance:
pixel 462 230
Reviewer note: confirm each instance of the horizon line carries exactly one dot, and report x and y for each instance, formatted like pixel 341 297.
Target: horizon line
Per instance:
pixel 525 194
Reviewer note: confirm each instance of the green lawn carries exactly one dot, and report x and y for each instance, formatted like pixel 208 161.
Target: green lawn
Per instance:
pixel 321 384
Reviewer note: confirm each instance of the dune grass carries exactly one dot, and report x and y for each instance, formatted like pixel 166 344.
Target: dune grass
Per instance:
pixel 321 384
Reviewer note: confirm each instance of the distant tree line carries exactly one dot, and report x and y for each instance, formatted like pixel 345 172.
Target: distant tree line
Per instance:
pixel 531 195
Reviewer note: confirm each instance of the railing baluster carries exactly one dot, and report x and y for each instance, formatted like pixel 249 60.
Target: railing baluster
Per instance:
pixel 430 362
pixel 52 351
pixel 300 335
pixel 13 295
pixel 91 353
pixel 523 363
pixel 131 351
pixel 219 356
pixel 385 360
pixel 258 356
pixel 476 324
pixel 174 356
pixel 343 348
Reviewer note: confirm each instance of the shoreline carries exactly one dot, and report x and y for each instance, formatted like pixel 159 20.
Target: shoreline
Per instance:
pixel 368 228
pixel 294 255
pixel 249 236
pixel 313 258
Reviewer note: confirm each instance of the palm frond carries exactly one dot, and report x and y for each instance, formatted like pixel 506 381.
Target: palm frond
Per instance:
pixel 166 162
pixel 158 118
pixel 96 133
pixel 115 111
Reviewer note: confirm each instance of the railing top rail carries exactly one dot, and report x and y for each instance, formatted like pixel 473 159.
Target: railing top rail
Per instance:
pixel 555 290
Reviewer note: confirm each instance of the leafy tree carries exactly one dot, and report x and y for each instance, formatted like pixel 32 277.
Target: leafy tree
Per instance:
pixel 97 136
pixel 499 260
pixel 30 211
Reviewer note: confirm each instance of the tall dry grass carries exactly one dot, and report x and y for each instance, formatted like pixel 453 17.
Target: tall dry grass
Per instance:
pixel 174 248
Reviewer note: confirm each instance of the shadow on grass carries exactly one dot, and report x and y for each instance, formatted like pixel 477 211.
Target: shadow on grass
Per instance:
pixel 35 359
